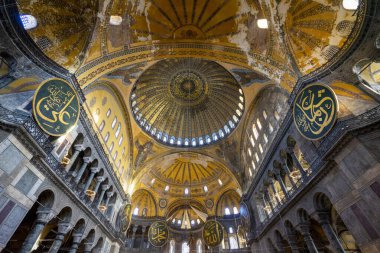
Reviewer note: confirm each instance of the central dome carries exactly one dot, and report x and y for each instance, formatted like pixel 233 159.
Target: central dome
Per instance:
pixel 187 102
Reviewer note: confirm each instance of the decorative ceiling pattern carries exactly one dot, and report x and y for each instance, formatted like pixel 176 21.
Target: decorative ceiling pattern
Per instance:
pixel 144 202
pixel 316 31
pixel 195 103
pixel 64 28
pixel 197 19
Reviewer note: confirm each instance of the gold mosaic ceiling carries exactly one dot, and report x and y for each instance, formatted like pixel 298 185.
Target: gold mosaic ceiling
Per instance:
pixel 195 103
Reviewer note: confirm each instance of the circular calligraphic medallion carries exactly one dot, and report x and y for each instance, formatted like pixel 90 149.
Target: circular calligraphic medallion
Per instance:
pixel 212 233
pixel 315 111
pixel 158 234
pixel 56 107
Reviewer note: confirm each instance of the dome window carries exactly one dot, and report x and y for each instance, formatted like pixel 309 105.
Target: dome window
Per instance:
pixel 208 139
pixel 115 20
pixel 214 137
pixel 262 23
pixel 28 21
pixel 227 211
pixel 235 118
pixel 220 182
pixel 236 211
pixel 136 211
pixel 172 140
pixel 179 222
pixel 350 4
pixel 198 221
pixel 179 142
pixel 173 221
pixel 230 230
pixel 192 222
pixel 167 188
pixel 205 188
pixel 165 139
pixel 200 141
pixel 186 191
pixel 186 142
pixel 193 142
pixel 152 182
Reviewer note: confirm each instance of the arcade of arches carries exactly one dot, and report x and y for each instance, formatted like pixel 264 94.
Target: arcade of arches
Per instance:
pixel 186 116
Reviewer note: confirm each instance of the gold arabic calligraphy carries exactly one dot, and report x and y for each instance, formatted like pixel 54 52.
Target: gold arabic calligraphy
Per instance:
pixel 316 111
pixel 56 107
pixel 158 234
pixel 212 233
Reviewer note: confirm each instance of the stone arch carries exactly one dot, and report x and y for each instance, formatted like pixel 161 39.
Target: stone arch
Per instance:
pixel 98 246
pixel 229 199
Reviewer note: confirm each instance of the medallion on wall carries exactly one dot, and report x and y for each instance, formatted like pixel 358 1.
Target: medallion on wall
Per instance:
pixel 212 233
pixel 158 234
pixel 56 107
pixel 315 111
pixel 126 219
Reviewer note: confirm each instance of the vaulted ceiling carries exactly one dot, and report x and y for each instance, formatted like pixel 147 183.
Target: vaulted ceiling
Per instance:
pixel 190 71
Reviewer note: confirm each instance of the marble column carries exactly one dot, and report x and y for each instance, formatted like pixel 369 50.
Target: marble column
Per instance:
pixel 87 247
pixel 267 198
pixel 305 231
pixel 292 238
pixel 133 236
pixel 277 174
pixel 142 238
pixel 75 243
pixel 99 180
pixel 275 193
pixel 287 170
pixel 298 165
pixel 86 161
pixel 63 228
pixel 324 220
pixel 77 150
pixel 94 170
pixel 101 196
pixel 43 217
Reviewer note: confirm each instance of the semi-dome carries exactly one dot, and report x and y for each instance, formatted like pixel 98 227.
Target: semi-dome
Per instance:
pixel 187 102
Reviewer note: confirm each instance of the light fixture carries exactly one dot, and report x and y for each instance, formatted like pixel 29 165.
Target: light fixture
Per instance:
pixel 90 193
pixel 262 23
pixel 350 4
pixel 295 174
pixel 115 20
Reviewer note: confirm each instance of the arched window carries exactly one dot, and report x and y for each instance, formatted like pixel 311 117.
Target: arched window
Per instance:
pixel 230 230
pixel 236 211
pixel 185 247
pixel 108 113
pixel 199 246
pixel 28 21
pixel 144 212
pixel 233 243
pixel 101 127
pixel 118 130
pixel 172 246
pixel 114 122
pixel 111 147
pixel 227 211
pixel 107 137
pixel 136 211
pixel 115 155
pixel 350 4
pixel 121 140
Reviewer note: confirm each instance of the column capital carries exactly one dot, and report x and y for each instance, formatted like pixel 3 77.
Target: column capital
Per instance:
pixel 109 194
pixel 87 159
pixel 305 228
pixel 64 227
pixel 44 216
pixel 100 179
pixel 323 217
pixel 94 169
pixel 105 187
pixel 78 147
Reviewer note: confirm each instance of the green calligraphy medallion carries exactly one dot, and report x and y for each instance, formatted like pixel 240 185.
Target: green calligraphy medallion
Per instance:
pixel 56 107
pixel 158 234
pixel 315 111
pixel 212 233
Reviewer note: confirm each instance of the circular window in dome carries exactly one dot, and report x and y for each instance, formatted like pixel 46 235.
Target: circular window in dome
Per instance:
pixel 187 102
